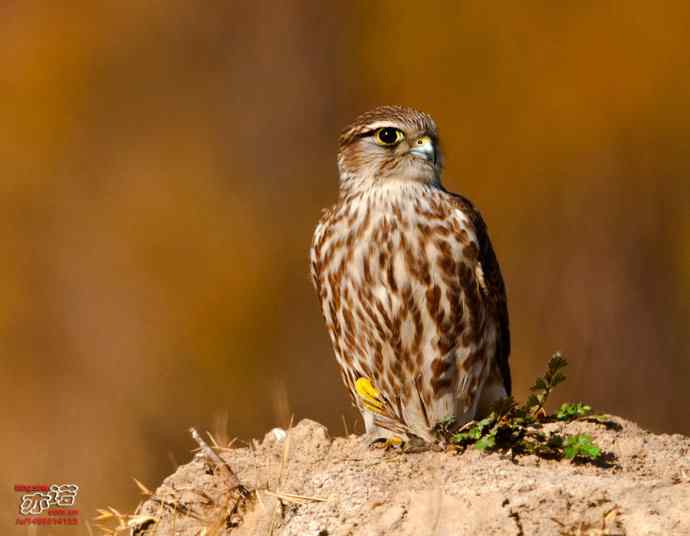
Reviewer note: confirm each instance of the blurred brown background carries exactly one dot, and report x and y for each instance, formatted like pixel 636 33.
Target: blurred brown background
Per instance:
pixel 163 165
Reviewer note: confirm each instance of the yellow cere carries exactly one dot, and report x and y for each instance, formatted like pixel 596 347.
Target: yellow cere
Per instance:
pixel 369 395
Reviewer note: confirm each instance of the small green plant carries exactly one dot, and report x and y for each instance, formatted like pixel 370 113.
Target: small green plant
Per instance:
pixel 540 391
pixel 517 428
pixel 581 445
pixel 569 412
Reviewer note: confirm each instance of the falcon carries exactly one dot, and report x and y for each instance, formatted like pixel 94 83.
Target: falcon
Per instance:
pixel 409 285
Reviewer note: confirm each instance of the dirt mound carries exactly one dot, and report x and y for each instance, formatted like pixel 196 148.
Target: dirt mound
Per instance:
pixel 309 484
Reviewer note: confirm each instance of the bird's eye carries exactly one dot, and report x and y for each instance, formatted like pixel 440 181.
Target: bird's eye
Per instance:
pixel 388 136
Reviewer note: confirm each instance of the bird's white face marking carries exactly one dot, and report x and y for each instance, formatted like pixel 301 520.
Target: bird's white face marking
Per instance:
pixel 410 155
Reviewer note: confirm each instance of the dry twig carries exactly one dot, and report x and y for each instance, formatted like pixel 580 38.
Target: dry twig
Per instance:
pixel 230 475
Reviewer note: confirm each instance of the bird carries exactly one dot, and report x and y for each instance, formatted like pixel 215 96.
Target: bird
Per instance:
pixel 409 284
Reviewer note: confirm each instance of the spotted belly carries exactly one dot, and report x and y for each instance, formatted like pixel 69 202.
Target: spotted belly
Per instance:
pixel 401 293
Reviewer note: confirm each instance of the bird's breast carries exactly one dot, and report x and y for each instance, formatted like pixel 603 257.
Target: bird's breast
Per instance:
pixel 401 299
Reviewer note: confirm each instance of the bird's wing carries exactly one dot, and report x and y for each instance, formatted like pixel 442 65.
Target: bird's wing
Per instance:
pixel 492 284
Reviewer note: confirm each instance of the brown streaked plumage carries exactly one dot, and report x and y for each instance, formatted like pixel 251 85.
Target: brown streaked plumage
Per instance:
pixel 409 284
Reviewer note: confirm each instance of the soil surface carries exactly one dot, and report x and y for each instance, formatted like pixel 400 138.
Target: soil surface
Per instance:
pixel 306 483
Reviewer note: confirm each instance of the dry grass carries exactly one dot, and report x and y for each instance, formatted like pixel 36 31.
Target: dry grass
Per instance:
pixel 228 514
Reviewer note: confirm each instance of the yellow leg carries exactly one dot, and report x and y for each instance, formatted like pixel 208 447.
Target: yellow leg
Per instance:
pixel 370 396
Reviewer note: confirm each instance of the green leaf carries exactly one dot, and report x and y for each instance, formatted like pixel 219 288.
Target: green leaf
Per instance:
pixel 580 445
pixel 557 362
pixel 532 401
pixel 557 378
pixel 484 423
pixel 539 385
pixel 486 443
pixel 475 432
pixel 568 412
pixel 458 438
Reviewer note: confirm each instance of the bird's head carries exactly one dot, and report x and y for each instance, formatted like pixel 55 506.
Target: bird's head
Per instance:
pixel 390 143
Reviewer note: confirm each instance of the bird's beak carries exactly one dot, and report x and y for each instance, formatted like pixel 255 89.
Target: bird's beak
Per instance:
pixel 424 148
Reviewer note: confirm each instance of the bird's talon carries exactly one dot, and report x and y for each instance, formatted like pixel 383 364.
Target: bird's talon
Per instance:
pixel 387 443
